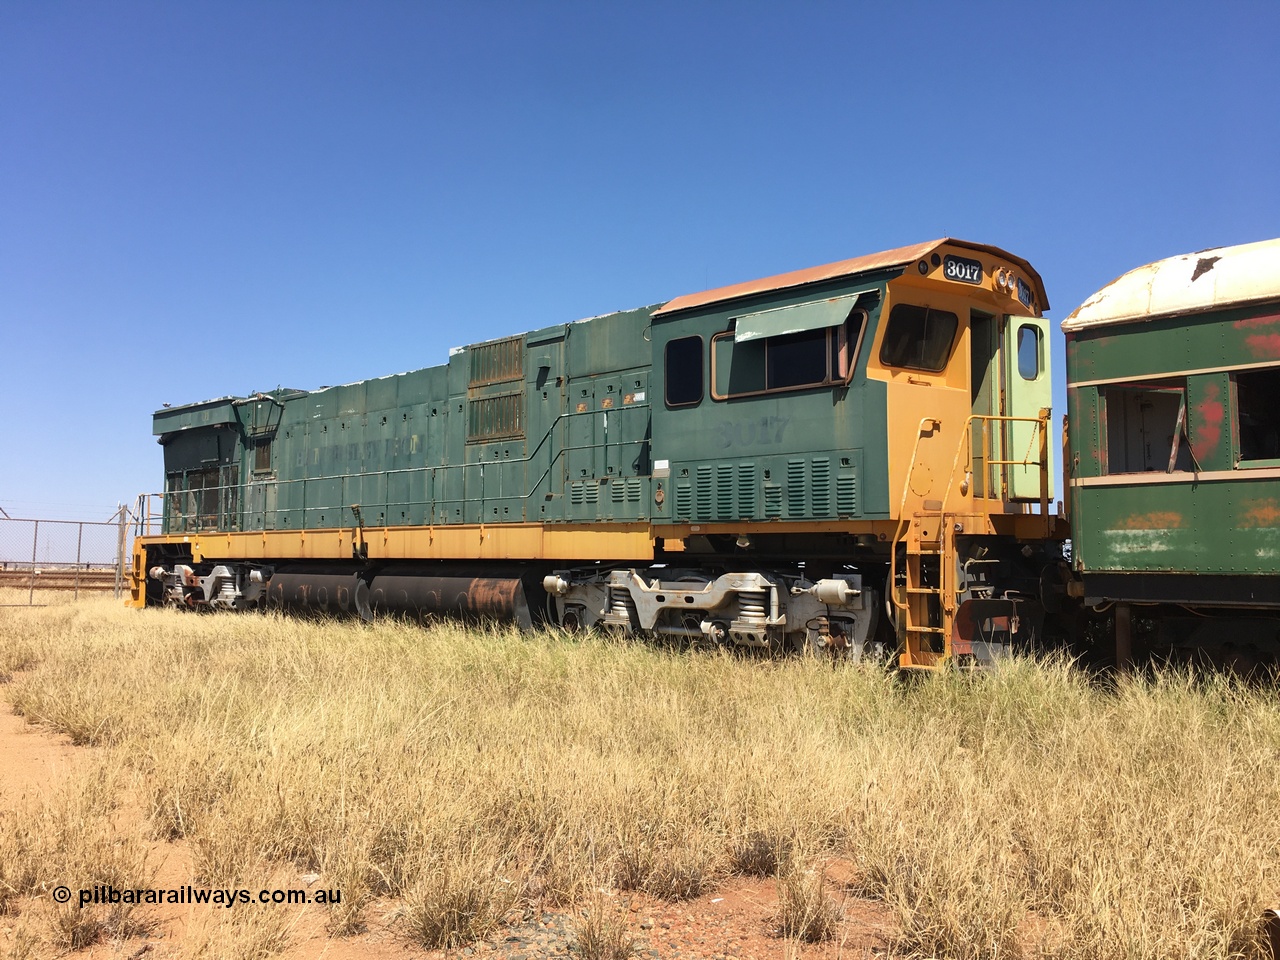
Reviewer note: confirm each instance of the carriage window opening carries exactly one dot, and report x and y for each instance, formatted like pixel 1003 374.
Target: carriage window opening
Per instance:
pixel 1028 352
pixel 684 372
pixel 792 361
pixel 918 338
pixel 1143 429
pixel 1258 414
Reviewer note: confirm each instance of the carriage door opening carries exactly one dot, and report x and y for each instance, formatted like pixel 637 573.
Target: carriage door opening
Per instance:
pixel 984 373
pixel 1027 391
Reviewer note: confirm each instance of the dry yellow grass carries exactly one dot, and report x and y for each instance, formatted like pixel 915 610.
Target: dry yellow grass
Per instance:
pixel 457 771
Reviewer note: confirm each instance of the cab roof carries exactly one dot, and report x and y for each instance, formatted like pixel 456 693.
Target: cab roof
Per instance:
pixel 842 268
pixel 1190 283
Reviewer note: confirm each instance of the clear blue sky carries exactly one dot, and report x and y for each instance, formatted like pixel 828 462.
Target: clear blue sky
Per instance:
pixel 202 198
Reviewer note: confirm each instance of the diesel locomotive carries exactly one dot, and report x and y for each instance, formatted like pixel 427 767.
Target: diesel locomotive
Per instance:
pixel 852 457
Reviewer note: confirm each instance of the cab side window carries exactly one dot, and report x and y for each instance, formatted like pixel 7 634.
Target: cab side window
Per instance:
pixel 790 361
pixel 918 338
pixel 683 372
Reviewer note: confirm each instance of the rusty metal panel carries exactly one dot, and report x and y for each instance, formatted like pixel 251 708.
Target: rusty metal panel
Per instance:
pixel 496 361
pixel 886 260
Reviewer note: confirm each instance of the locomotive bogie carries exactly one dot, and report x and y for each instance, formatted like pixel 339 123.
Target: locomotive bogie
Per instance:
pixel 224 586
pixel 746 609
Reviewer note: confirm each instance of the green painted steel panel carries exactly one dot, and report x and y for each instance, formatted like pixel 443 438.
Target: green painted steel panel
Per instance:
pixel 1218 526
pixel 1241 337
pixel 812 453
pixel 795 318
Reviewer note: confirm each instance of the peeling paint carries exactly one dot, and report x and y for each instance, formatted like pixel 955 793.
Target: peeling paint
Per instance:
pixel 1253 323
pixel 1211 413
pixel 1264 346
pixel 1138 541
pixel 1156 520
pixel 1260 513
pixel 1203 266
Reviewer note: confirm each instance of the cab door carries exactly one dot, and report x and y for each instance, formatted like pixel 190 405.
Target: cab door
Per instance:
pixel 1027 391
pixel 986 438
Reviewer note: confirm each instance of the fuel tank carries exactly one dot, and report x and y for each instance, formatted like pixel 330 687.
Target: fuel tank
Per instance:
pixel 398 591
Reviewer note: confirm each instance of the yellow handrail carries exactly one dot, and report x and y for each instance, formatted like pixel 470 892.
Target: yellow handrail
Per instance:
pixel 933 424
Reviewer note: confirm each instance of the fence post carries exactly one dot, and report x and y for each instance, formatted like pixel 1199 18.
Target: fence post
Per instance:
pixel 120 558
pixel 79 546
pixel 35 538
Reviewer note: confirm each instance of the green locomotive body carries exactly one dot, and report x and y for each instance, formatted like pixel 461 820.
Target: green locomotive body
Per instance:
pixel 770 464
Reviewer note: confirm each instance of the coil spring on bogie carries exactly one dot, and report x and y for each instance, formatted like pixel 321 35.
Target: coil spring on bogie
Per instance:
pixel 753 605
pixel 621 606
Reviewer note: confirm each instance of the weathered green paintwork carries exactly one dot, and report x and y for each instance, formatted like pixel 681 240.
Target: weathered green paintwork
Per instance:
pixel 1211 514
pixel 817 453
pixel 398 446
pixel 1217 526
pixel 589 410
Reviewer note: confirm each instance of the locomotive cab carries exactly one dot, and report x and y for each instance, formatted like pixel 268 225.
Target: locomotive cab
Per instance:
pixel 886 415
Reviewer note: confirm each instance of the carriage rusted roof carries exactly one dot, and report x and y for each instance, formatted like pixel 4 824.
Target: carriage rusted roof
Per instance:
pixel 1190 283
pixel 843 268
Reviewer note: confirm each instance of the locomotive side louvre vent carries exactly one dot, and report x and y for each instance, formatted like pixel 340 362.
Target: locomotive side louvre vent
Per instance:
pixel 797 488
pixel 684 500
pixel 633 489
pixel 724 491
pixel 772 500
pixel 820 478
pixel 702 502
pixel 747 487
pixel 575 492
pixel 498 361
pixel 847 494
pixel 592 490
pixel 496 417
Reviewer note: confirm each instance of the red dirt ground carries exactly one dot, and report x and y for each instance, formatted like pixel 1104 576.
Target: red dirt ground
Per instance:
pixel 739 920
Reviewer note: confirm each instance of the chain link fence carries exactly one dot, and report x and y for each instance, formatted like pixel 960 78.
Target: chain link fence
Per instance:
pixel 44 560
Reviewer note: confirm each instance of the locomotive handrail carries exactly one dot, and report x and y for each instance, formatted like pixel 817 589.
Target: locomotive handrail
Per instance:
pixel 190 521
pixel 966 438
pixel 934 424
pixel 1042 460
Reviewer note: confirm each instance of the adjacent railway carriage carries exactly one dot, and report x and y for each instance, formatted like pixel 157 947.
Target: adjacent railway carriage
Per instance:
pixel 851 454
pixel 1173 380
